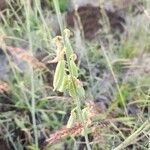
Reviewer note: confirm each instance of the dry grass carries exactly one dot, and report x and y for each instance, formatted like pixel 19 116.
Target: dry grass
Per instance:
pixel 3 87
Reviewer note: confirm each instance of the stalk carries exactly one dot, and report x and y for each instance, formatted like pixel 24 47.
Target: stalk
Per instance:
pixel 67 51
pixel 77 99
pixel 32 108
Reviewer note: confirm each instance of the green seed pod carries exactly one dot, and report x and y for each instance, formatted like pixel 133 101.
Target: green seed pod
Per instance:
pixel 68 47
pixel 72 88
pixel 74 69
pixel 85 114
pixel 79 89
pixel 59 75
pixel 73 66
pixel 72 119
pixel 64 84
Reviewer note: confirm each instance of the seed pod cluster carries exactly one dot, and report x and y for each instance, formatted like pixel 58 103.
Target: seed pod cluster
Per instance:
pixel 63 82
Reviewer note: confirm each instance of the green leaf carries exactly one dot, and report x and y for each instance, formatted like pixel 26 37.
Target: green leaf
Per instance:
pixel 62 5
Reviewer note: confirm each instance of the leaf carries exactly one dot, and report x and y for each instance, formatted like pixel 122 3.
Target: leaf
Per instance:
pixel 59 75
pixel 62 5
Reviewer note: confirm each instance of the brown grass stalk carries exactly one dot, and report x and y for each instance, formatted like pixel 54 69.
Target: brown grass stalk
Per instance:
pixel 64 133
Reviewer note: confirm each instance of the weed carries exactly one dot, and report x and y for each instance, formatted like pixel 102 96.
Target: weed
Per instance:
pixel 99 97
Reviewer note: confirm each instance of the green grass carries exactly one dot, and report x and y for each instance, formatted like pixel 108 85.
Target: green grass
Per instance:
pixel 32 111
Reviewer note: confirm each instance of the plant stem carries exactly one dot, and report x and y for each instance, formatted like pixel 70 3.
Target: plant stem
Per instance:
pixel 77 99
pixel 115 79
pixel 79 111
pixel 68 47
